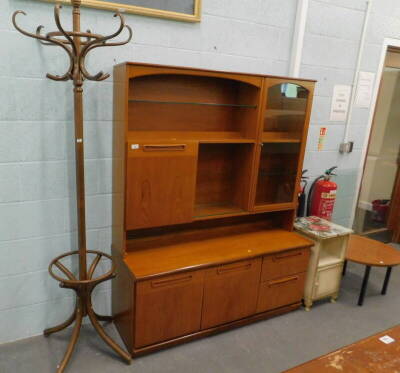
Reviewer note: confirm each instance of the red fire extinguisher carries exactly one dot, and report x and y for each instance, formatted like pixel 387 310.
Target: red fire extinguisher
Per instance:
pixel 322 196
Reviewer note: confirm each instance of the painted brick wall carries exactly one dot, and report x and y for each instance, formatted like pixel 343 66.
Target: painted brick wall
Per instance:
pixel 36 159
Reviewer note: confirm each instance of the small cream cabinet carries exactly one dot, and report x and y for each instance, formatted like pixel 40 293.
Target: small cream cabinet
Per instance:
pixel 327 257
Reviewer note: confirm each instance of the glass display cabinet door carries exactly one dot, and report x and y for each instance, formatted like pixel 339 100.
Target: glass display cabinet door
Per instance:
pixel 285 112
pixel 283 134
pixel 277 173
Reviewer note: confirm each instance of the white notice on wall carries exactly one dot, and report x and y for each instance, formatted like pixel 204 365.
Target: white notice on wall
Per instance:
pixel 365 86
pixel 340 103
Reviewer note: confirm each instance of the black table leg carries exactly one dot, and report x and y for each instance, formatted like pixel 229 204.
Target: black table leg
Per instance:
pixel 364 285
pixel 344 268
pixel 386 282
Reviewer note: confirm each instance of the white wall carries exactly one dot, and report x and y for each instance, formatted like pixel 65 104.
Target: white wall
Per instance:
pixel 36 169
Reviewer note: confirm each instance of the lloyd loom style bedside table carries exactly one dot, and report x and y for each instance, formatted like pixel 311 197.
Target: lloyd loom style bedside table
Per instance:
pixel 327 257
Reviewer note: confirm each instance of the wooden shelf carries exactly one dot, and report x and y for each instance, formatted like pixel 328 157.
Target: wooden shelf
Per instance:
pixel 194 103
pixel 202 211
pixel 280 137
pixel 270 113
pixel 206 252
pixel 203 137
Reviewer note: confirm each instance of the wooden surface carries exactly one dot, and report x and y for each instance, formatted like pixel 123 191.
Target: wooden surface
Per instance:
pixel 369 355
pixel 287 263
pixel 220 328
pixel 190 70
pixel 280 292
pixel 169 307
pixel 230 292
pixel 370 252
pixel 160 184
pixel 202 253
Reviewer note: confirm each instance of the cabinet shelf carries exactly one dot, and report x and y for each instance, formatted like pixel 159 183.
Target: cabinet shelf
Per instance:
pixel 328 260
pixel 203 137
pixel 194 103
pixel 210 210
pixel 280 137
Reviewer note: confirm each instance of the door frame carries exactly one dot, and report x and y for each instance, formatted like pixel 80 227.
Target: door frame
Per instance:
pixel 387 43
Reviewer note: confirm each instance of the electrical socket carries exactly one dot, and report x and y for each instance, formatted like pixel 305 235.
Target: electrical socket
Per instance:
pixel 346 147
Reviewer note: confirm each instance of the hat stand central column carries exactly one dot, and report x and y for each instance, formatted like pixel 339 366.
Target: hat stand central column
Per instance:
pixel 77 45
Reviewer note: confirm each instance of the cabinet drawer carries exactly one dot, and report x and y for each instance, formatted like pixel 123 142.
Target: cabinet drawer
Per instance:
pixel 160 184
pixel 168 307
pixel 230 292
pixel 285 263
pixel 280 292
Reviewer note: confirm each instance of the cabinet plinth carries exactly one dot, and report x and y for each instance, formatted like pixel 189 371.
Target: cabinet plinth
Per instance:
pixel 205 174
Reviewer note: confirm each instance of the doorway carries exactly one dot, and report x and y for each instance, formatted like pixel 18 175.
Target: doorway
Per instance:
pixel 378 208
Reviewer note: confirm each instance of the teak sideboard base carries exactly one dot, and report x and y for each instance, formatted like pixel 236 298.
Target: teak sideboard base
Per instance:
pixel 173 292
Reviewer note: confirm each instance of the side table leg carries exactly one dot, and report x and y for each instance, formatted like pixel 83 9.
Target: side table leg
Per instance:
pixel 344 267
pixel 364 285
pixel 386 282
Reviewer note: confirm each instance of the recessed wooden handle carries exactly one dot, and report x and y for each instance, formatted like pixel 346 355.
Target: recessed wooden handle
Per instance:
pixel 223 270
pixel 171 281
pixel 288 255
pixel 283 281
pixel 164 147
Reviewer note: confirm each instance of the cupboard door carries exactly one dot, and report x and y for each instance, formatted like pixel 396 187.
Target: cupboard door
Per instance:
pixel 168 307
pixel 160 184
pixel 327 281
pixel 230 292
pixel 281 292
pixel 286 263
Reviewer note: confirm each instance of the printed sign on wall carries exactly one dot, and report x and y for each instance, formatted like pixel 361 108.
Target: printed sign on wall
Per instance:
pixel 340 103
pixel 365 86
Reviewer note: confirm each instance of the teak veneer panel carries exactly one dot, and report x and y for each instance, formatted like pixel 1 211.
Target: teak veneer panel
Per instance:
pixel 208 252
pixel 230 292
pixel 168 308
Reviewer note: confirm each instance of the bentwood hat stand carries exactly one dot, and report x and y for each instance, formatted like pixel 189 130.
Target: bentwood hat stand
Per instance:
pixel 77 45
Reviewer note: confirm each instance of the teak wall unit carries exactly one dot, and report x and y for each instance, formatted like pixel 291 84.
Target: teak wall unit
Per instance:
pixel 206 168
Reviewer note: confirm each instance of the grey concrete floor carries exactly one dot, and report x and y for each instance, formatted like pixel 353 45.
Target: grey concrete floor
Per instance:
pixel 268 346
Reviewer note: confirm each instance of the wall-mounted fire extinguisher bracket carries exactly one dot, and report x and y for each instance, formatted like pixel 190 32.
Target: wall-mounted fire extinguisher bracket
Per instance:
pixel 322 195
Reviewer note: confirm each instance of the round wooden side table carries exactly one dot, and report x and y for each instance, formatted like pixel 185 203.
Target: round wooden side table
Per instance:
pixel 371 253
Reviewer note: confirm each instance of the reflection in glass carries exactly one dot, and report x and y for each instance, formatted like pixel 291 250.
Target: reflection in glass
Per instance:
pixel 286 109
pixel 277 173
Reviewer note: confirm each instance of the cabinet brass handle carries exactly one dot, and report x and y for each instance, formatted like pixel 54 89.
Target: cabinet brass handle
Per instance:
pixel 283 281
pixel 164 147
pixel 284 256
pixel 222 270
pixel 171 281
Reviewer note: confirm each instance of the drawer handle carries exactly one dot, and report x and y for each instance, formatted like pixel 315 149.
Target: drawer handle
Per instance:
pixel 164 147
pixel 222 270
pixel 284 256
pixel 283 281
pixel 172 281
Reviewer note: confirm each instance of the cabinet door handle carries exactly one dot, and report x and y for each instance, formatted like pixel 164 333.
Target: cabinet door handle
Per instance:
pixel 288 255
pixel 171 281
pixel 221 271
pixel 164 147
pixel 283 281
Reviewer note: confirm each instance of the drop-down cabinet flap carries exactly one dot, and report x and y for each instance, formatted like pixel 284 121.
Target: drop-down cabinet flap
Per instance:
pixel 160 183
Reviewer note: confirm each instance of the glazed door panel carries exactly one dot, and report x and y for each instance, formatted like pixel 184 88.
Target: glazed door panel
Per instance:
pixel 160 184
pixel 230 292
pixel 168 307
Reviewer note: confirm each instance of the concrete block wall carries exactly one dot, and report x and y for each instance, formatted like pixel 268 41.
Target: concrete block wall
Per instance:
pixel 37 213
